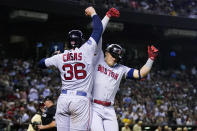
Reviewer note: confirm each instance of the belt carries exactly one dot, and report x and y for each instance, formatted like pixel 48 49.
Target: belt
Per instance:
pixel 104 103
pixel 79 93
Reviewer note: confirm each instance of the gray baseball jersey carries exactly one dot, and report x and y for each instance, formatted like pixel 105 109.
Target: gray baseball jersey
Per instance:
pixel 75 66
pixel 107 79
pixel 76 70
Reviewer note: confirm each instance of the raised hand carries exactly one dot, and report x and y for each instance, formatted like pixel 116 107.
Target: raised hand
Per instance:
pixel 113 12
pixel 152 52
pixel 90 11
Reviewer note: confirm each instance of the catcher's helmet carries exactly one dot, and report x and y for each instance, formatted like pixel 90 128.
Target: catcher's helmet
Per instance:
pixel 77 37
pixel 116 51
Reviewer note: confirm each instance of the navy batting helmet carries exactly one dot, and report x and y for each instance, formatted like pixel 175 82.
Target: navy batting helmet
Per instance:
pixel 116 51
pixel 75 39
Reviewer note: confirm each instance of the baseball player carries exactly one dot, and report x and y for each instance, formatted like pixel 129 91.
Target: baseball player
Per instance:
pixel 108 74
pixel 76 70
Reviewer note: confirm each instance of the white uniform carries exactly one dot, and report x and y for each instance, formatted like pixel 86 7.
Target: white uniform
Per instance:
pixel 106 84
pixel 107 80
pixel 76 70
pixel 75 66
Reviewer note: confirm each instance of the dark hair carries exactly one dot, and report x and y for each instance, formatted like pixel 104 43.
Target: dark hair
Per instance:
pixel 48 98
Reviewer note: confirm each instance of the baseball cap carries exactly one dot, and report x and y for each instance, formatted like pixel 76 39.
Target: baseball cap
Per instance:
pixel 48 98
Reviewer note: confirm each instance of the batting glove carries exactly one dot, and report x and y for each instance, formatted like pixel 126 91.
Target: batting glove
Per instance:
pixel 113 12
pixel 152 52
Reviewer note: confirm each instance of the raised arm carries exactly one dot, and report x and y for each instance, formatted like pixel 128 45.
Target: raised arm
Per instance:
pixel 97 25
pixel 112 12
pixel 152 52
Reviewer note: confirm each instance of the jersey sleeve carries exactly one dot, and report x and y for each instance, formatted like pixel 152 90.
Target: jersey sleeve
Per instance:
pixel 90 46
pixel 97 28
pixel 104 21
pixel 128 72
pixel 99 47
pixel 89 49
pixel 52 61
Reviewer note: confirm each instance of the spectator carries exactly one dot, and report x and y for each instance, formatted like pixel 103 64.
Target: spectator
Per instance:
pixel 178 129
pixel 159 128
pixel 46 92
pixel 166 128
pixel 185 129
pixel 138 126
pixel 189 122
pixel 24 115
pixel 33 94
pixel 126 119
pixel 126 127
pixel 31 107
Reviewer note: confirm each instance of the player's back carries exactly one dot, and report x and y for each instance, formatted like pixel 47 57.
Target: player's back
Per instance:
pixel 75 66
pixel 76 69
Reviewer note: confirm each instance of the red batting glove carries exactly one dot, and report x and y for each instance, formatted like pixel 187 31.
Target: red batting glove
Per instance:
pixel 152 52
pixel 113 12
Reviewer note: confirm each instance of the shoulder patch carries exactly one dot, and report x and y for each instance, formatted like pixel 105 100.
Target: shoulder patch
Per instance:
pixel 89 42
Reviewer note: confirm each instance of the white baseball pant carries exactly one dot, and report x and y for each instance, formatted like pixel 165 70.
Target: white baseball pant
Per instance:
pixel 73 113
pixel 104 118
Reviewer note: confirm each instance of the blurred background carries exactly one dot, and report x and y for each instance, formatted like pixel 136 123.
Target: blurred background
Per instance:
pixel 33 29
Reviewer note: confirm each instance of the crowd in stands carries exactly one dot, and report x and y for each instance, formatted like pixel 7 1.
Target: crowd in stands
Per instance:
pixel 22 87
pixel 163 98
pixel 183 8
